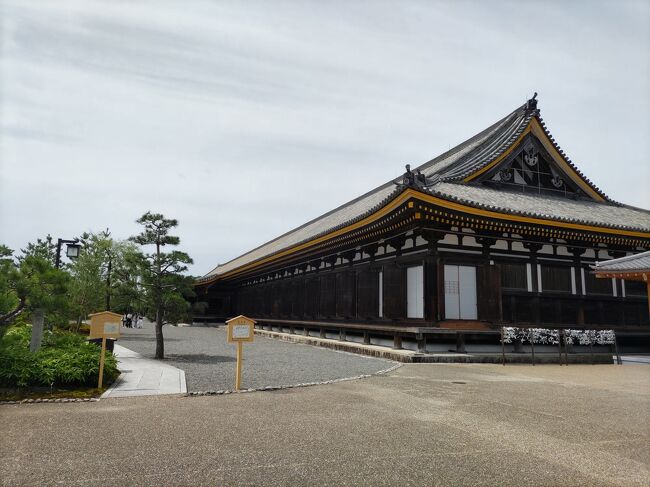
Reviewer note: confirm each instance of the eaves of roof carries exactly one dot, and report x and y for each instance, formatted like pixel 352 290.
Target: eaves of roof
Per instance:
pixel 630 263
pixel 527 205
pixel 459 204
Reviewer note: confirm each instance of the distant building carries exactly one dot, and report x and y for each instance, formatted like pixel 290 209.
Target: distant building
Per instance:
pixel 633 269
pixel 501 229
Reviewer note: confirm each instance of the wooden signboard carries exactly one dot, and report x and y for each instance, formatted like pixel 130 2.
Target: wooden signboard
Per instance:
pixel 98 320
pixel 105 324
pixel 240 329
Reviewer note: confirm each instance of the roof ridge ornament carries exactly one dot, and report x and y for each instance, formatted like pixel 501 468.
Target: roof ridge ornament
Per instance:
pixel 531 104
pixel 416 179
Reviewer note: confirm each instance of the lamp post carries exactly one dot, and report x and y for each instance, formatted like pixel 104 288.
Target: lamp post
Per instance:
pixel 72 250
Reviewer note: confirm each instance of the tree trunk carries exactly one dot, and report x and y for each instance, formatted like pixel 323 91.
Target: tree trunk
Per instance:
pixel 79 320
pixel 160 343
pixel 38 317
pixel 108 285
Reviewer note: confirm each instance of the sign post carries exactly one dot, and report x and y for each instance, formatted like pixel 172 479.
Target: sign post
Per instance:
pixel 105 324
pixel 110 330
pixel 240 330
pixel 101 363
pixel 238 371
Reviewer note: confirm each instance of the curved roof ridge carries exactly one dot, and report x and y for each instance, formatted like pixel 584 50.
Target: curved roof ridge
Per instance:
pixel 481 135
pixel 497 146
pixel 631 207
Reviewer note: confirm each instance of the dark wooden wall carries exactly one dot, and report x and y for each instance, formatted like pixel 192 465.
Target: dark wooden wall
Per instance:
pixel 351 294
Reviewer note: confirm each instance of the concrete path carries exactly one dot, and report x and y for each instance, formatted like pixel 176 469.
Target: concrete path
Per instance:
pixel 635 359
pixel 144 377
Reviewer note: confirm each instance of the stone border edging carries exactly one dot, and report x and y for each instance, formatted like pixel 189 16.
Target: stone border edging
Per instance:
pixel 375 351
pixel 411 356
pixel 294 386
pixel 48 400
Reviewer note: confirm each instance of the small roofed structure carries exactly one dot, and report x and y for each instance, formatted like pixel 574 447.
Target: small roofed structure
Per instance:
pixel 630 268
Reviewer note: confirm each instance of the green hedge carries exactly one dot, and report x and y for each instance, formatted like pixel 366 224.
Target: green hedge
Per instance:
pixel 65 360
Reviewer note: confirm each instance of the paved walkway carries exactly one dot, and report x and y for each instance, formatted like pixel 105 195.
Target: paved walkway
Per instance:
pixel 144 377
pixel 421 425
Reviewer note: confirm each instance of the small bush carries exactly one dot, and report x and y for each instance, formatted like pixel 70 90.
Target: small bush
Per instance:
pixel 64 360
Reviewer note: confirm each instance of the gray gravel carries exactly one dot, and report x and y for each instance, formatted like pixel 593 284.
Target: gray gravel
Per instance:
pixel 209 361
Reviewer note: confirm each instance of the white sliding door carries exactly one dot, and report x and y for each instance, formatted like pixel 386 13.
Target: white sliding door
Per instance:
pixel 460 292
pixel 381 294
pixel 415 292
pixel 468 305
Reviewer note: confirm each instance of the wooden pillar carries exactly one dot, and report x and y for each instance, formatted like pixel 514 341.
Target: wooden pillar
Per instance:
pixel 532 350
pixel 397 341
pixel 430 288
pixel 533 248
pixel 422 343
pixel 580 292
pixel 460 343
pixel 618 355
pixel 440 276
pixel 432 304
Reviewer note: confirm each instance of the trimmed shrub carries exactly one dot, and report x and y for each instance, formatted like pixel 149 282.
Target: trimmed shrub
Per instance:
pixel 65 360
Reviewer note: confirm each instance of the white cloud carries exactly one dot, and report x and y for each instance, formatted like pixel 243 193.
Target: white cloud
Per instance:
pixel 246 119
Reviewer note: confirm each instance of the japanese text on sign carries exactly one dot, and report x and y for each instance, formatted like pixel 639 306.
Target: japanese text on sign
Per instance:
pixel 241 331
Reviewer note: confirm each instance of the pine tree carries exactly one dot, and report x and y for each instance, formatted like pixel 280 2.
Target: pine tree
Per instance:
pixel 162 271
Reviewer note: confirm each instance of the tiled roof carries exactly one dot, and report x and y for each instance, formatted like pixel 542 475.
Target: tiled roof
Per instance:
pixel 480 150
pixel 447 170
pixel 631 263
pixel 556 208
pixel 348 213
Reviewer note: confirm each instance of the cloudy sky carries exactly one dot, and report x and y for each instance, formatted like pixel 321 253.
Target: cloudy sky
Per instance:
pixel 246 119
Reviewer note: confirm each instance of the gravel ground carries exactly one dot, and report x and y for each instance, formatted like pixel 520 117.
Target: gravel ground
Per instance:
pixel 209 361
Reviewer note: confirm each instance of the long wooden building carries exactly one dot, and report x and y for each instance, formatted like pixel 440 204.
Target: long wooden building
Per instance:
pixel 501 229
